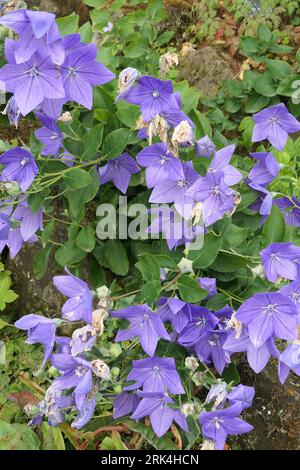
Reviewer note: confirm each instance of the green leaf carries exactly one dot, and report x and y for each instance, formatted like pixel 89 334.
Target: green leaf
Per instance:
pixel 17 437
pixel 289 86
pixel 115 143
pixel 40 261
pixel 128 115
pixel 36 200
pixel 69 254
pixel 151 291
pixel 52 438
pixel 78 198
pixel 265 86
pixel 217 302
pixel 149 267
pixel 274 227
pixel 86 238
pixel 279 69
pixel 231 374
pixel 91 142
pixel 203 258
pixel 68 24
pixel 159 443
pixel 189 289
pixel 255 103
pixel 113 255
pixel 164 38
pixel 229 262
pixel 77 178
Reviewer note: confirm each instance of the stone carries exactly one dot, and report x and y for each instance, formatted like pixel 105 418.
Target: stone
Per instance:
pixel 275 413
pixel 205 69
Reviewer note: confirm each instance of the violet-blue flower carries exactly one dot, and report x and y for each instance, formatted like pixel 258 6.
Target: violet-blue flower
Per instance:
pixel 40 330
pixel 219 424
pixel 155 374
pixel 243 395
pixel 269 314
pixel 19 165
pixel 81 72
pixel 161 165
pixel 125 403
pixel 119 170
pixel 290 209
pixel 210 348
pixel 205 147
pixel 289 360
pixel 265 170
pixel 144 324
pixel 49 135
pixel 175 191
pixel 80 303
pixel 32 82
pixel 220 162
pixel 155 405
pixel 209 284
pixel 274 124
pixel 215 195
pixel 38 32
pixel 201 321
pixel 154 96
pixel 175 311
pixel 281 260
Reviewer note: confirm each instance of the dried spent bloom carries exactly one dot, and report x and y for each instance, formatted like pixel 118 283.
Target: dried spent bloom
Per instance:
pixel 183 133
pixel 187 409
pixel 101 369
pixel 191 363
pixel 66 118
pixel 127 79
pixel 167 61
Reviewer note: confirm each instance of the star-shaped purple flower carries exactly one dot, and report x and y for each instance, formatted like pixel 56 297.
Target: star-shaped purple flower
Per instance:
pixel 155 405
pixel 32 82
pixel 281 260
pixel 154 96
pixel 40 330
pixel 155 374
pixel 19 166
pixel 119 170
pixel 201 321
pixel 215 195
pixel 80 303
pixel 290 209
pixel 175 311
pixel 220 162
pixel 265 170
pixel 81 72
pixel 49 135
pixel 144 324
pixel 205 147
pixel 219 424
pixel 274 124
pixel 175 191
pixel 161 165
pixel 289 360
pixel 269 314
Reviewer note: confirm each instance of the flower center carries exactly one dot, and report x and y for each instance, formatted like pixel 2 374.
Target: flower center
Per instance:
pixel 215 191
pixel 164 159
pixel 273 120
pixel 216 421
pixel 270 309
pixel 156 369
pixel 295 297
pixel 201 322
pixel 24 161
pixel 273 257
pixel 155 94
pixel 80 371
pixel 72 72
pixel 145 318
pixel 182 183
pixel 33 72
